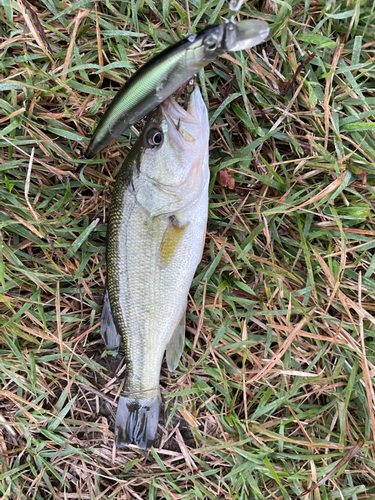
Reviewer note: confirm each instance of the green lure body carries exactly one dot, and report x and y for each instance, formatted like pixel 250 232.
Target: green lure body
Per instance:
pixel 167 71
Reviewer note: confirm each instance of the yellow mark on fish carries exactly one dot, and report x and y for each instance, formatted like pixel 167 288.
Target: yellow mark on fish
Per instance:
pixel 171 239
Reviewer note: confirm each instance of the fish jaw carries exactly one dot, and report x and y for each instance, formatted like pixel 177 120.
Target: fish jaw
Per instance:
pixel 192 136
pixel 188 131
pixel 172 176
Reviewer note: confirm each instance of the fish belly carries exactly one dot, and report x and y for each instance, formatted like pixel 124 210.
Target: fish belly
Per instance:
pixel 149 276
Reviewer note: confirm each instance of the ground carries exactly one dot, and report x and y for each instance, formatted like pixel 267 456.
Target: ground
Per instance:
pixel 275 387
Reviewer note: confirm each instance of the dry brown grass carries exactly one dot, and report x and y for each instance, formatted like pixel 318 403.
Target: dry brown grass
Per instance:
pixel 276 382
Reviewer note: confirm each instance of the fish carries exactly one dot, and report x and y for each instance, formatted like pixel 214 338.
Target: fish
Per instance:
pixel 155 238
pixel 164 73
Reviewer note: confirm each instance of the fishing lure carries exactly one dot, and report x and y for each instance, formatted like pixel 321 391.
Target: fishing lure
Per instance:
pixel 167 71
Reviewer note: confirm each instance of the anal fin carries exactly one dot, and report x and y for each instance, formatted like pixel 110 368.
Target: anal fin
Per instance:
pixel 108 329
pixel 176 345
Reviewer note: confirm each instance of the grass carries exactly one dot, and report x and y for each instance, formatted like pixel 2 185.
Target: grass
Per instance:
pixel 275 386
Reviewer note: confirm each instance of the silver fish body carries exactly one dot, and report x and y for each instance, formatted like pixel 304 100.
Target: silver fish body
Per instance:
pixel 155 237
pixel 167 71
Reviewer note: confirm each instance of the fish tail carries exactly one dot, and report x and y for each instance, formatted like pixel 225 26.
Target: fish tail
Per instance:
pixel 137 421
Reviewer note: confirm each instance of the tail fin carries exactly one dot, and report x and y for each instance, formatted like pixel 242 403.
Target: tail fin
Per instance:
pixel 137 421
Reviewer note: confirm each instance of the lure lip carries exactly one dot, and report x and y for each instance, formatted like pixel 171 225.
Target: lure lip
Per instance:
pixel 248 33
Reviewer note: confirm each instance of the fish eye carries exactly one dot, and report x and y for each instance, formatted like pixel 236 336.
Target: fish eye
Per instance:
pixel 155 137
pixel 211 43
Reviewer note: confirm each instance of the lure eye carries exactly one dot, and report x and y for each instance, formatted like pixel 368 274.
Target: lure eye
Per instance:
pixel 155 138
pixel 211 43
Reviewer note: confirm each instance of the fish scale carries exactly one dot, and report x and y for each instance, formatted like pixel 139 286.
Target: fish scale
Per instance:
pixel 142 298
pixel 156 230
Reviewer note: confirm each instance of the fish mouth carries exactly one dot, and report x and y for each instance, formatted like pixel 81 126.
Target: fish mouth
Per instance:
pixel 185 125
pixel 191 114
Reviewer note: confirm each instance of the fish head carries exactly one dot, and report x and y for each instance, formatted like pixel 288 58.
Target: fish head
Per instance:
pixel 175 146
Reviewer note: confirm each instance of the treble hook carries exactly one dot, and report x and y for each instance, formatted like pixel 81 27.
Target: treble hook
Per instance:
pixel 234 7
pixel 188 91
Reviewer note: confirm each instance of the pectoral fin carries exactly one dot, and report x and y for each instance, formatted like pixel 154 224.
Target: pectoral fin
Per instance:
pixel 108 328
pixel 176 345
pixel 171 240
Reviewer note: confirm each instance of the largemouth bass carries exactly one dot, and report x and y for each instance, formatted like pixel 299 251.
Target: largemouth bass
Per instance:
pixel 155 238
pixel 167 71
